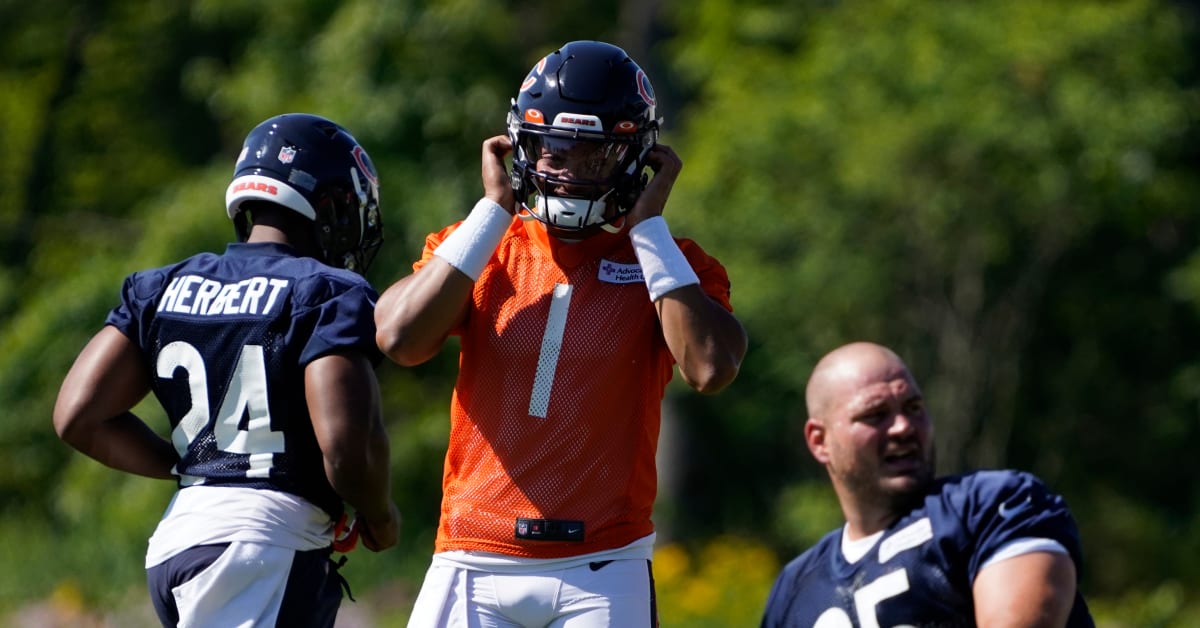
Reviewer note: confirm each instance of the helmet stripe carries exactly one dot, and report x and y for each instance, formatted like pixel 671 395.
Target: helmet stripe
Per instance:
pixel 253 186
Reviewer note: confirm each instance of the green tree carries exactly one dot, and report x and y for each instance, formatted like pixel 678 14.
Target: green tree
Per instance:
pixel 999 189
pixel 122 121
pixel 996 189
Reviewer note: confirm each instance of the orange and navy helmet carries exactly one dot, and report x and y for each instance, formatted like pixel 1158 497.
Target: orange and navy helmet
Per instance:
pixel 581 126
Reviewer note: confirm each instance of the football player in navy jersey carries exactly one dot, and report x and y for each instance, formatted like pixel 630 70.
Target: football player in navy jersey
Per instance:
pixel 263 359
pixel 989 548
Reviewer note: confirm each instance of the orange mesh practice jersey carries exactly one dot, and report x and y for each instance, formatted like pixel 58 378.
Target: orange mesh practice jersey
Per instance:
pixel 555 414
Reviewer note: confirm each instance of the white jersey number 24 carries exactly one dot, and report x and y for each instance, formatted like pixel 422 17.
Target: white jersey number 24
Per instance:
pixel 246 395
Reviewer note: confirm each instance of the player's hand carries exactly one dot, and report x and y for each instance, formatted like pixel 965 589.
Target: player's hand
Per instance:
pixel 497 187
pixel 665 165
pixel 380 534
pixel 345 535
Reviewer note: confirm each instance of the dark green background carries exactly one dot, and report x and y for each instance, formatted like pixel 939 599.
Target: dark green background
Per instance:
pixel 1003 190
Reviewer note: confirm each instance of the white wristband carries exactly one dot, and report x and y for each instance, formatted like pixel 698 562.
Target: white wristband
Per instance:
pixel 470 246
pixel 664 266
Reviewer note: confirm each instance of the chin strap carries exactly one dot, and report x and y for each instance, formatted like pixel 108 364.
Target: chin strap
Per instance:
pixel 526 214
pixel 541 213
pixel 615 225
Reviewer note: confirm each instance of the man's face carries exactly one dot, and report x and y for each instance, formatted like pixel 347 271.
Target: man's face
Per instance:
pixel 878 438
pixel 579 160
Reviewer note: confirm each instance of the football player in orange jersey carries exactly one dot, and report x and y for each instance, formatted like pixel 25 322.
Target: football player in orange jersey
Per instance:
pixel 572 312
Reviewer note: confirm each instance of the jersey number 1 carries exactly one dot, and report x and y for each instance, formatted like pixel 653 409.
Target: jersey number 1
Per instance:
pixel 556 323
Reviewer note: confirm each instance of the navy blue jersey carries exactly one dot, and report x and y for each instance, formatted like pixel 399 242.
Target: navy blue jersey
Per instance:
pixel 226 339
pixel 920 572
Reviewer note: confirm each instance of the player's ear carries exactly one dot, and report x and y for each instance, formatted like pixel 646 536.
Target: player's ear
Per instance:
pixel 814 437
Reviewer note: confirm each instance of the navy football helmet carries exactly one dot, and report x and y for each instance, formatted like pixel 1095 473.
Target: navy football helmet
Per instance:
pixel 581 127
pixel 314 167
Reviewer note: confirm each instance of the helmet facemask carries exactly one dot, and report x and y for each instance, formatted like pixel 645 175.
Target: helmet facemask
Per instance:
pixel 348 226
pixel 583 181
pixel 582 125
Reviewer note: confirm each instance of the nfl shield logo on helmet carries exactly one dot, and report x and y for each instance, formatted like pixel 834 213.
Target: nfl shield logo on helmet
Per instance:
pixel 287 154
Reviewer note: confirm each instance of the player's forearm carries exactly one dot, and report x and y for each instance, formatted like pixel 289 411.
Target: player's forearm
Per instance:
pixel 125 443
pixel 707 341
pixel 416 314
pixel 362 477
pixel 343 402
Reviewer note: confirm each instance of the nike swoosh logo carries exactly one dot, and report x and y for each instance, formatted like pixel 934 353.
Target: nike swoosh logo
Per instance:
pixel 1007 511
pixel 598 565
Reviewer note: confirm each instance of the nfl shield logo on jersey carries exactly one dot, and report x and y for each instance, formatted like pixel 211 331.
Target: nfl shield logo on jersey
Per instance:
pixel 522 528
pixel 287 154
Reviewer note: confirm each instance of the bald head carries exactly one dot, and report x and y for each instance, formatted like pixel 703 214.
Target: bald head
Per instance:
pixel 846 369
pixel 868 426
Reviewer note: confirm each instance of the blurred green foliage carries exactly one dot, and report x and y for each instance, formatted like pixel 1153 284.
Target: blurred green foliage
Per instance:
pixel 723 583
pixel 1002 190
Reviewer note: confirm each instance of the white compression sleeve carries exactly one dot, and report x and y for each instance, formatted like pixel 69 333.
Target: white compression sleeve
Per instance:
pixel 664 266
pixel 470 246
